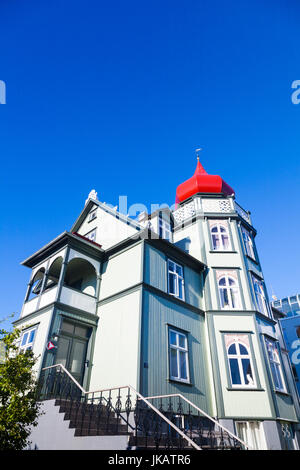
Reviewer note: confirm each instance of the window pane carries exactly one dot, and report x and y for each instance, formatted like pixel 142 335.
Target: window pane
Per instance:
pixel 172 283
pixel 179 270
pixel 171 266
pixel 234 298
pixel 214 229
pixel 31 337
pixel 216 242
pixel 224 298
pixel 173 338
pixel 183 365
pixel 225 241
pixel 62 352
pixel 247 371
pixel 24 340
pixel 174 368
pixel 222 281
pixel 182 341
pixel 67 327
pixel 232 349
pixel 243 350
pixel 180 288
pixel 78 357
pixel 235 374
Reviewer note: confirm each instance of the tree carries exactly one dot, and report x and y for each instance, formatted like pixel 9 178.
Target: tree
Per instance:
pixel 19 409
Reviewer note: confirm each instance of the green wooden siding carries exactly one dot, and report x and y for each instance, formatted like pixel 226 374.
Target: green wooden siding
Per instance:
pixel 158 314
pixel 156 275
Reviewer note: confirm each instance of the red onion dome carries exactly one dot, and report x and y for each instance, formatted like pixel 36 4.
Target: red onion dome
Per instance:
pixel 202 182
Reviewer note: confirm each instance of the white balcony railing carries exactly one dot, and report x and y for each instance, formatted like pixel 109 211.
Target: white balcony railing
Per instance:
pixel 78 299
pixel 209 205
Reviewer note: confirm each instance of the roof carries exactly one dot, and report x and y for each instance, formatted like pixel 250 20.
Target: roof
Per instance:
pixel 82 243
pixel 202 182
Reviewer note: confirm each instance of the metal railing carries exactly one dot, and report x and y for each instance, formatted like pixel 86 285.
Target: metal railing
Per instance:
pixel 118 410
pixel 224 434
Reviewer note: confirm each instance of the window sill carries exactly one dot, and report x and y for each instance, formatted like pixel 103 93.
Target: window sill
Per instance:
pixel 281 392
pixel 222 251
pixel 181 382
pixel 252 259
pixel 245 389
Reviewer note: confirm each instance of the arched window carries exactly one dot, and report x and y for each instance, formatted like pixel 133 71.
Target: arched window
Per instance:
pixel 240 365
pixel 220 237
pixel 229 292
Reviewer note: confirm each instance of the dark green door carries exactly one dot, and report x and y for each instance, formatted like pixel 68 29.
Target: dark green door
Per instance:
pixel 72 348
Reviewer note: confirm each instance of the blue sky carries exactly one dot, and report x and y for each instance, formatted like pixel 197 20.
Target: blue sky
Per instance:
pixel 117 95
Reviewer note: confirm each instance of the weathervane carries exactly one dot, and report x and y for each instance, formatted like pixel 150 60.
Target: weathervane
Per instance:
pixel 197 152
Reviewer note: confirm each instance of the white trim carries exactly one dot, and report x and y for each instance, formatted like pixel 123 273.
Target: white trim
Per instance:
pixel 179 349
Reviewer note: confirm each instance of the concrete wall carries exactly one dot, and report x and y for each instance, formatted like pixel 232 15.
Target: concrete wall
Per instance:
pixel 53 433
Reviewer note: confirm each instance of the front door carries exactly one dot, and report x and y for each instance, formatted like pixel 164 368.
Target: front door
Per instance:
pixel 72 348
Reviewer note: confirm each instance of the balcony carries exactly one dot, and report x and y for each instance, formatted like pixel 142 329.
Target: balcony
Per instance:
pixel 77 299
pixel 200 205
pixel 76 287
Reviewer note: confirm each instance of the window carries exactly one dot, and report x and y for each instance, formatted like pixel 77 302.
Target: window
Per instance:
pixel 229 292
pixel 164 229
pixel 175 280
pixel 239 360
pixel 178 350
pixel 251 433
pixel 261 301
pixel 275 365
pixel 91 235
pixel 220 237
pixel 92 215
pixel 27 339
pixel 248 243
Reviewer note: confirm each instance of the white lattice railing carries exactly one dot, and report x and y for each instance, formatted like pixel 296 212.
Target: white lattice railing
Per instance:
pixel 218 206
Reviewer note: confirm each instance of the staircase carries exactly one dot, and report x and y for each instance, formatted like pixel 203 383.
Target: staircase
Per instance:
pixel 161 422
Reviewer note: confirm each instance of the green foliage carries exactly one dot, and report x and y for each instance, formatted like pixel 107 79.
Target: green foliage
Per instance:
pixel 19 409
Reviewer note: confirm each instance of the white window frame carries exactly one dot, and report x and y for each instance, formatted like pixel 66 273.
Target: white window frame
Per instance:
pixel 179 351
pixel 230 290
pixel 259 292
pixel 275 361
pixel 248 243
pixel 179 279
pixel 219 234
pixel 164 229
pixel 25 344
pixel 255 438
pixel 239 357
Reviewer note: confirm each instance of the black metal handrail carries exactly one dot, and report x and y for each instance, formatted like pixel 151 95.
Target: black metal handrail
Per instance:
pixel 119 410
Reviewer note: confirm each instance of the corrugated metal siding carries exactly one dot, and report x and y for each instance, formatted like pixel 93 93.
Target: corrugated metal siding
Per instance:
pixel 156 276
pixel 193 289
pixel 156 268
pixel 157 314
